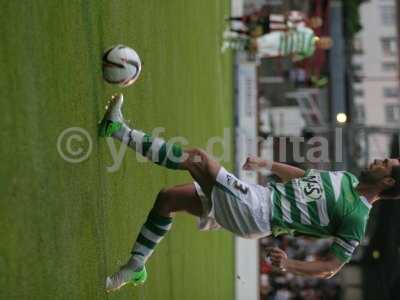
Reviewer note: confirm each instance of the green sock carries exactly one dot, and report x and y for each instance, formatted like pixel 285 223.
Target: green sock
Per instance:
pixel 151 234
pixel 154 148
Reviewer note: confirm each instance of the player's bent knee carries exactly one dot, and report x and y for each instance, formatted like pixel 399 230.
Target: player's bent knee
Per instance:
pixel 196 156
pixel 199 159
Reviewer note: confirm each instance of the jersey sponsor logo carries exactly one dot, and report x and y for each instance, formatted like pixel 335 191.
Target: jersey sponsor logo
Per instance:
pixel 311 187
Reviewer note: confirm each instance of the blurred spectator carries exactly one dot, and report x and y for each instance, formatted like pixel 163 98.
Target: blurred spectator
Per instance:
pixel 299 43
pixel 261 22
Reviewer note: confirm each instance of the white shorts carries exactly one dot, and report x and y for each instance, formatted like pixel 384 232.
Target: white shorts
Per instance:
pixel 237 206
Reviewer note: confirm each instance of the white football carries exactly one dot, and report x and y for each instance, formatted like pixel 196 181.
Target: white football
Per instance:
pixel 121 65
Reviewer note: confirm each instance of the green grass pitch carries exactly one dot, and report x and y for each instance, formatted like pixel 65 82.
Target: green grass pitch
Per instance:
pixel 65 226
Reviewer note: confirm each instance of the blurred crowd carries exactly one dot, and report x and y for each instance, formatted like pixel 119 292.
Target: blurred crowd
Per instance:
pixel 285 286
pixel 298 36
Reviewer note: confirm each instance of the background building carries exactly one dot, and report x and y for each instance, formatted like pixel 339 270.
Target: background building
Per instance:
pixel 375 69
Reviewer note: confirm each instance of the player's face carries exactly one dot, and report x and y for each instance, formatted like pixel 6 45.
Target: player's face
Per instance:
pixel 378 170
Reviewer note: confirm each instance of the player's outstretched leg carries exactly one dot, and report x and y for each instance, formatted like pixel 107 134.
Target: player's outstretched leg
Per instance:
pixel 155 149
pixel 203 169
pixel 157 225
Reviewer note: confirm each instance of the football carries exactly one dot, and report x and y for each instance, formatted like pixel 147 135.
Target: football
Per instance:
pixel 121 65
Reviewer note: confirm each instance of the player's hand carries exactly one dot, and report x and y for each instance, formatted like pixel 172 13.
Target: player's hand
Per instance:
pixel 252 164
pixel 278 258
pixel 255 163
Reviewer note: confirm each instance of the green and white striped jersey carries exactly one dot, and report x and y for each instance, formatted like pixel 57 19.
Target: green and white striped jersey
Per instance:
pixel 300 41
pixel 321 204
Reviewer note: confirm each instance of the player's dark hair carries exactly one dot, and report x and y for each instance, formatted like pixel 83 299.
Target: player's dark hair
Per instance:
pixel 394 191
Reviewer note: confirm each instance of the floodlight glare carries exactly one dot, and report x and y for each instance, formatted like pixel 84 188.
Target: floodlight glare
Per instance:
pixel 341 117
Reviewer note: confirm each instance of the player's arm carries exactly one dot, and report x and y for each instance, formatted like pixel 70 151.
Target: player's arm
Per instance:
pixel 284 171
pixel 324 268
